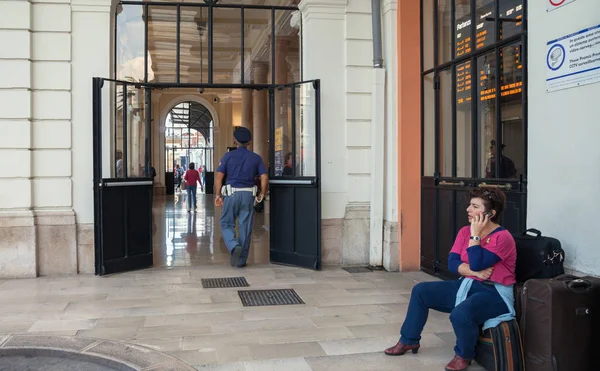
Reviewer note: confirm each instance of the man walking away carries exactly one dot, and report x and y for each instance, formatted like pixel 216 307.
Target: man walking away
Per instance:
pixel 239 195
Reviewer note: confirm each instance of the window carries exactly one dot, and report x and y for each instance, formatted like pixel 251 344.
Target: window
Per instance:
pixel 473 85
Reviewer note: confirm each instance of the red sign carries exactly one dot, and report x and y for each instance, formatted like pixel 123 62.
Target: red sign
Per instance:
pixel 555 4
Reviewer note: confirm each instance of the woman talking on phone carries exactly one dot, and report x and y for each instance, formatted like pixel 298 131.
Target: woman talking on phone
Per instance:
pixel 485 255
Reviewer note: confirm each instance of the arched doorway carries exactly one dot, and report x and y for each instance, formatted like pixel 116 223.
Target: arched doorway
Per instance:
pixel 172 48
pixel 189 137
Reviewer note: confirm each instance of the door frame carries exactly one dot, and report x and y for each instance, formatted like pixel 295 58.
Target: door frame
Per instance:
pixel 295 182
pixel 123 195
pixel 437 191
pixel 210 6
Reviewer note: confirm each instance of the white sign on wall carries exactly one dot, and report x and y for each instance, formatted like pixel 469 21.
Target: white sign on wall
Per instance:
pixel 573 60
pixel 555 4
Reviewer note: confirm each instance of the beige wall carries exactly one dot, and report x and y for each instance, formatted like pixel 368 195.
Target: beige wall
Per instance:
pixel 45 147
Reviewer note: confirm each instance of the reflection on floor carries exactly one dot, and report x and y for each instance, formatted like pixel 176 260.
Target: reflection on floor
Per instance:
pixel 345 324
pixel 189 239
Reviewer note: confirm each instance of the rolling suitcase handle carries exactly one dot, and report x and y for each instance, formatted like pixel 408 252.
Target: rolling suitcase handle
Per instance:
pixel 536 232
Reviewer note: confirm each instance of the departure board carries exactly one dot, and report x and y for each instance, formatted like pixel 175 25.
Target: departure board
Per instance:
pixel 511 13
pixel 463 83
pixel 485 27
pixel 511 76
pixel 509 10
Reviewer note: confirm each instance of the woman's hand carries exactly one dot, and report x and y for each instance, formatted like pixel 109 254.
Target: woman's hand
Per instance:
pixel 478 223
pixel 484 274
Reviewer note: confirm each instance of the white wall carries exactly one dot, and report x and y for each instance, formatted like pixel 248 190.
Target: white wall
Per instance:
pixel 323 40
pixel 359 85
pixel 564 154
pixel 90 58
pixel 390 49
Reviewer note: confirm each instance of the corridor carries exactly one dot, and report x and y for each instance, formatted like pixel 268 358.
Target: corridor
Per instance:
pixel 348 319
pixel 183 239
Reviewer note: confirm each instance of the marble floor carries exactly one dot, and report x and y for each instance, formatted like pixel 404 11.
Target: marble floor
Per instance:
pixel 183 239
pixel 347 321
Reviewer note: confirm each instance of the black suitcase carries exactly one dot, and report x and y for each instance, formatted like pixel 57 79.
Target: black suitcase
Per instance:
pixel 559 323
pixel 538 256
pixel 501 348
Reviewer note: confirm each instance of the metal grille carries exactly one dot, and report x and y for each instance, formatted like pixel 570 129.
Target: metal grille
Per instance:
pixel 357 269
pixel 214 283
pixel 255 298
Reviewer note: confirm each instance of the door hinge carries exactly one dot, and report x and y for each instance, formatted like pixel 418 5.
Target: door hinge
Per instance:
pixel 436 82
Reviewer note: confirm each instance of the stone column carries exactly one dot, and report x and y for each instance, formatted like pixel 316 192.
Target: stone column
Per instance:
pixel 260 121
pixel 56 50
pixel 323 39
pixel 247 102
pixel 390 224
pixel 18 253
pixel 87 15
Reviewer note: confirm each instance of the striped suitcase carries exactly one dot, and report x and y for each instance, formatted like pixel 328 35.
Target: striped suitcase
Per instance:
pixel 501 348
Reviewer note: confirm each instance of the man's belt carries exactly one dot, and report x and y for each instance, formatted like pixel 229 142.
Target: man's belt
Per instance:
pixel 247 189
pixel 228 190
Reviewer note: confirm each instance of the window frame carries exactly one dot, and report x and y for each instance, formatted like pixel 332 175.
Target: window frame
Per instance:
pixel 496 46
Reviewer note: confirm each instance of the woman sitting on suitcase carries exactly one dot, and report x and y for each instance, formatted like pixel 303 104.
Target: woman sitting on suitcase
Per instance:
pixel 485 255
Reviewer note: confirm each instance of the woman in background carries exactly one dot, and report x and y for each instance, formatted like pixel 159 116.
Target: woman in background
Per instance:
pixel 192 178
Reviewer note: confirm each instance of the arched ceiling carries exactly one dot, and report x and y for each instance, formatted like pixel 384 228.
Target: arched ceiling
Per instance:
pixel 193 115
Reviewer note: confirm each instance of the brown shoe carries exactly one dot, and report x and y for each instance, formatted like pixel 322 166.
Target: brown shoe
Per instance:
pixel 399 349
pixel 458 364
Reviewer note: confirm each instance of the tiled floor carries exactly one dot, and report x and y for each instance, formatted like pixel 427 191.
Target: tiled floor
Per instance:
pixel 347 321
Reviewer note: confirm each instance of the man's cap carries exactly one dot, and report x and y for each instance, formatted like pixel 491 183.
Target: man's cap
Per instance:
pixel 242 135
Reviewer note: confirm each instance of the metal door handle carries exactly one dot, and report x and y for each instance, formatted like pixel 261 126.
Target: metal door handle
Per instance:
pixel 506 186
pixel 292 182
pixel 445 183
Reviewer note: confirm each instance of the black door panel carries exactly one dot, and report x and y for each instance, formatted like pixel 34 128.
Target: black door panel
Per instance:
pixel 294 186
pixel 123 200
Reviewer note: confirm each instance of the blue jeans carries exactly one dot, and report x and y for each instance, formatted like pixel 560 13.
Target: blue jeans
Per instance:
pixel 239 206
pixel 191 196
pixel 483 302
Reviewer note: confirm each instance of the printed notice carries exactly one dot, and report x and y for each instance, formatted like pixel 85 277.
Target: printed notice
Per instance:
pixel 555 4
pixel 573 60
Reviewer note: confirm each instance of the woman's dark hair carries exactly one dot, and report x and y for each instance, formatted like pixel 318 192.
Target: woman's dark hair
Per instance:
pixel 192 166
pixel 288 156
pixel 493 199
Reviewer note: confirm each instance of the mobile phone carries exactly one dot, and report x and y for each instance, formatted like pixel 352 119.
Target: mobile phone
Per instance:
pixel 488 213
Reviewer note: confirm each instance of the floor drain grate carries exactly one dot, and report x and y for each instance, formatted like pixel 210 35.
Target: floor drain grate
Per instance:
pixel 255 298
pixel 215 283
pixel 357 269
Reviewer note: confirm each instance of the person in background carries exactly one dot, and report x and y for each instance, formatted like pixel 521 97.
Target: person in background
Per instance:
pixel 507 166
pixel 178 177
pixel 485 255
pixel 203 175
pixel 287 167
pixel 119 165
pixel 239 167
pixel 192 178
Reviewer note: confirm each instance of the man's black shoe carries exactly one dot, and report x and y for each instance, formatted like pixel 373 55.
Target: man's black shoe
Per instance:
pixel 235 256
